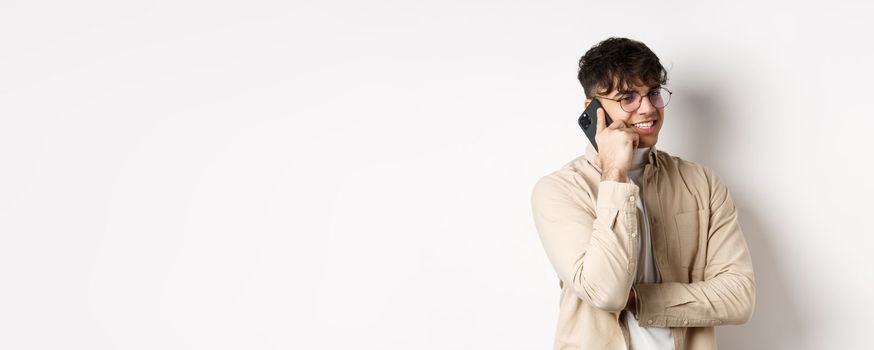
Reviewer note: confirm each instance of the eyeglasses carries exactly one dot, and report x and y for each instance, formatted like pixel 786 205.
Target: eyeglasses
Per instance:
pixel 630 102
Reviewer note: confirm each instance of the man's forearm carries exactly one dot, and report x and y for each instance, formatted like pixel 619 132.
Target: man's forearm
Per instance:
pixel 594 255
pixel 726 299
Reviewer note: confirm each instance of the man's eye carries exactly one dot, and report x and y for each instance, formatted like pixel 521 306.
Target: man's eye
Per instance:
pixel 655 92
pixel 629 98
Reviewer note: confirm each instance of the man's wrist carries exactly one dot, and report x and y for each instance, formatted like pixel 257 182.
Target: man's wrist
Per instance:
pixel 617 175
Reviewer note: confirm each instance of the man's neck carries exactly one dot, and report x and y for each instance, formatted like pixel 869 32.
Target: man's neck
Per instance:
pixel 640 157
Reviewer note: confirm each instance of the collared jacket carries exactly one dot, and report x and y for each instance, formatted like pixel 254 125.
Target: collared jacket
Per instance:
pixel 589 229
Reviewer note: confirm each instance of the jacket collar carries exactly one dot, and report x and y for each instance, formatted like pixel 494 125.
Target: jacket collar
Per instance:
pixel 590 155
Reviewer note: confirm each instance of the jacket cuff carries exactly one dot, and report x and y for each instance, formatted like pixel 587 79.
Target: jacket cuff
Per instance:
pixel 658 307
pixel 621 196
pixel 648 304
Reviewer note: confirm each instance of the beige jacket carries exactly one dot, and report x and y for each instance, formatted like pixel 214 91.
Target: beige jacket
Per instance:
pixel 590 234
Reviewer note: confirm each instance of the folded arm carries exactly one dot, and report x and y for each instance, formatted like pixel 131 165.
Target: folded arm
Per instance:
pixel 727 293
pixel 593 250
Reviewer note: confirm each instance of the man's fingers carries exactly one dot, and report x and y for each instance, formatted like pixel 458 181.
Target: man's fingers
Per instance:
pixel 619 124
pixel 601 121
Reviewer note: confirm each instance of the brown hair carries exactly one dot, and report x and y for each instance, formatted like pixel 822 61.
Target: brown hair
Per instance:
pixel 618 63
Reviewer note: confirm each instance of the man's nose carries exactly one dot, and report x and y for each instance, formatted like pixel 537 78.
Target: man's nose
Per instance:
pixel 646 106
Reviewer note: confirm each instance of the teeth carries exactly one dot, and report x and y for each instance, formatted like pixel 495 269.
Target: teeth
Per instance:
pixel 644 125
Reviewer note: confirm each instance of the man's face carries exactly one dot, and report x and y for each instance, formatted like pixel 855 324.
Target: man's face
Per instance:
pixel 644 113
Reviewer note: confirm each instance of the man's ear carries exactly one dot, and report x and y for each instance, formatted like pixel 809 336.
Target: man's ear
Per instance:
pixel 586 103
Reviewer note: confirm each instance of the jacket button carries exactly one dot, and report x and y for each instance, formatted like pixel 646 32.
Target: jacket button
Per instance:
pixel 650 321
pixel 685 321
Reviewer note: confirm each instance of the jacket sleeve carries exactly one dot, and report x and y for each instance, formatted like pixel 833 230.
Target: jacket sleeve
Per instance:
pixel 727 295
pixel 594 251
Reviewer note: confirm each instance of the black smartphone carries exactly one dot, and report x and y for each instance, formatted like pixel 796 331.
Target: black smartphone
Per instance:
pixel 589 121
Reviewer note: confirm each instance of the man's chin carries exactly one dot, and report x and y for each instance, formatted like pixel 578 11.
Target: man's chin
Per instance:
pixel 648 142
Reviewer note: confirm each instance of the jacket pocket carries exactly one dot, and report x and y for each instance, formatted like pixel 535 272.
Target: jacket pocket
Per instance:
pixel 687 235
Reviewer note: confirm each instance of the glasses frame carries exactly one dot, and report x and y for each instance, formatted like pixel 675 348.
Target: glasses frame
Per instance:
pixel 640 99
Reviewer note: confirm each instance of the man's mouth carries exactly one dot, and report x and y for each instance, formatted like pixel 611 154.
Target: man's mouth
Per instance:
pixel 645 125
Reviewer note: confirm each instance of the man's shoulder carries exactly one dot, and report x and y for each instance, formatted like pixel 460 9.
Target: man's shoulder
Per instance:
pixel 576 178
pixel 682 165
pixel 692 173
pixel 580 176
pixel 574 170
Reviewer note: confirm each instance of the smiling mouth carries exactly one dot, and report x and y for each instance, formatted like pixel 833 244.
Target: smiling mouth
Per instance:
pixel 645 125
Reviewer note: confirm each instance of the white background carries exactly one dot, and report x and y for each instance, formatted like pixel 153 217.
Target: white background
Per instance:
pixel 339 174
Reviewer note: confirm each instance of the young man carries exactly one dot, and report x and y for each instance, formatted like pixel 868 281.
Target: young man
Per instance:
pixel 646 245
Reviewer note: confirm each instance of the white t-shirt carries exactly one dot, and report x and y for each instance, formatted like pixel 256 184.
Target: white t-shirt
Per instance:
pixel 647 272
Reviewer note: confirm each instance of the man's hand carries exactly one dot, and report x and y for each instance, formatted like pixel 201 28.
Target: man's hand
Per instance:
pixel 616 145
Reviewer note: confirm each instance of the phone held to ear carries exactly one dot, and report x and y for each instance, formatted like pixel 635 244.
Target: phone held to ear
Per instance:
pixel 589 121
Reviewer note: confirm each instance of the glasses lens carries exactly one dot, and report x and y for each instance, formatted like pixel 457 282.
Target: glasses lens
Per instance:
pixel 660 98
pixel 630 101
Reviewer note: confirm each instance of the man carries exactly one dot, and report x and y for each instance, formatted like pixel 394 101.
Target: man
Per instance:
pixel 647 246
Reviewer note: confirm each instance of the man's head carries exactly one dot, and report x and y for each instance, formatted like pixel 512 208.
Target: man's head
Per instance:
pixel 617 68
